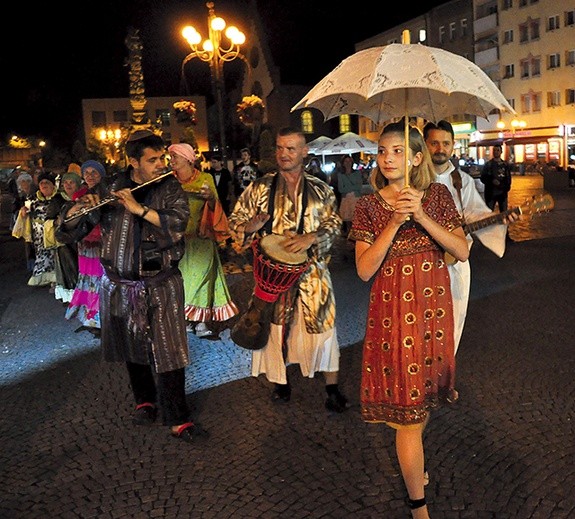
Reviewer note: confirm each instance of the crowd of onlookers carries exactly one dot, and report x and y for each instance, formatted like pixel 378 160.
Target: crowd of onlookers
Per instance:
pixel 71 271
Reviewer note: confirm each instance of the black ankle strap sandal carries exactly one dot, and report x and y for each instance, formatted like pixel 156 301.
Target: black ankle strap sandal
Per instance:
pixel 416 503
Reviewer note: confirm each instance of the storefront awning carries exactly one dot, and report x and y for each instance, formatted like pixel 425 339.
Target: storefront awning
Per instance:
pixel 530 140
pixel 487 142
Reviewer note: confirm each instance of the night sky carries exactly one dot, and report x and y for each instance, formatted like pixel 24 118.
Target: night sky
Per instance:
pixel 43 87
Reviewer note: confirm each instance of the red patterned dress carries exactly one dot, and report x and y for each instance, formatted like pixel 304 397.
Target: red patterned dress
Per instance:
pixel 408 364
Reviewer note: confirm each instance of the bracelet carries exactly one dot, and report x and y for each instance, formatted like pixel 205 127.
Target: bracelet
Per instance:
pixel 146 211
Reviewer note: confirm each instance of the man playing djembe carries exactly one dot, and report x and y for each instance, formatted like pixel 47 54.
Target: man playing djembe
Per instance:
pixel 301 207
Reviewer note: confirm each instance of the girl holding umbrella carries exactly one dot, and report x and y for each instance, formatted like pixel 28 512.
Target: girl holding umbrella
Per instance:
pixel 401 232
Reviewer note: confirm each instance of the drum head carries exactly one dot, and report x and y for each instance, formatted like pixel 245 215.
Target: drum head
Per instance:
pixel 272 247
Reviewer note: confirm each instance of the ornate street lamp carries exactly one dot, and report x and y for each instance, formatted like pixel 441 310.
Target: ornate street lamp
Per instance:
pixel 215 53
pixel 111 140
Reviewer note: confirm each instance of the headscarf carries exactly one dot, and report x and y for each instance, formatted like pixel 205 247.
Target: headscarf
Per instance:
pixel 184 150
pixel 47 176
pixel 72 176
pixel 96 165
pixel 74 168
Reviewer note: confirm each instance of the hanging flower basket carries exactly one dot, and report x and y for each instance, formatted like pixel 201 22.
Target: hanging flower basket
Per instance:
pixel 185 111
pixel 251 110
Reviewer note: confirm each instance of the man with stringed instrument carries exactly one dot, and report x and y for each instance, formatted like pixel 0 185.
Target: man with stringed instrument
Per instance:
pixel 440 140
pixel 302 209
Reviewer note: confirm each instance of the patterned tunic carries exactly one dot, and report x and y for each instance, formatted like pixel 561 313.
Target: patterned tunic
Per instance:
pixel 314 287
pixel 408 363
pixel 142 293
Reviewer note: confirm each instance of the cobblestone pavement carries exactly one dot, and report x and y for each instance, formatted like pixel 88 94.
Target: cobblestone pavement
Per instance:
pixel 504 451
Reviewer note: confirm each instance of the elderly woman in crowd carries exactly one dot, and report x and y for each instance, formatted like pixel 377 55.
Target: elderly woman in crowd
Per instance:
pixel 30 226
pixel 66 253
pixel 85 302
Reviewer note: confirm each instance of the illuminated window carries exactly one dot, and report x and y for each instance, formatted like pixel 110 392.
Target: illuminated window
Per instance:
pixel 554 98
pixel 531 102
pixel 344 123
pixel 554 61
pixel 530 67
pixel 306 121
pixel 553 22
pixel 534 29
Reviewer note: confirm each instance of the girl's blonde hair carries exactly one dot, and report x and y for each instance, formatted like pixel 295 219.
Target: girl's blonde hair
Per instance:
pixel 419 176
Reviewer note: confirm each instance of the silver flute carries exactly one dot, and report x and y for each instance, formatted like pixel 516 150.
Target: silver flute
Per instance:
pixel 112 198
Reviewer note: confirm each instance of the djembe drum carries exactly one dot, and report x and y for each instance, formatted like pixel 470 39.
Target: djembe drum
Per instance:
pixel 275 271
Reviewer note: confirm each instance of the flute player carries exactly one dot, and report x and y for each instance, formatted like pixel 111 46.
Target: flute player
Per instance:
pixel 142 294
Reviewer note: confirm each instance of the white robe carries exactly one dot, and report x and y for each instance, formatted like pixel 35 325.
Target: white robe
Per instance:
pixel 493 237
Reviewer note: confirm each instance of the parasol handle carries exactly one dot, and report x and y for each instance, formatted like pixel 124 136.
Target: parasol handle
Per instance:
pixel 406 40
pixel 406 153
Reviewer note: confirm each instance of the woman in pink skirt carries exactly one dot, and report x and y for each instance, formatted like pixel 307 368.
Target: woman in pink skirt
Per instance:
pixel 85 303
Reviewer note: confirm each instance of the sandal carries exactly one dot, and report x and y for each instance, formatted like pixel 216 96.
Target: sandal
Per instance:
pixel 415 504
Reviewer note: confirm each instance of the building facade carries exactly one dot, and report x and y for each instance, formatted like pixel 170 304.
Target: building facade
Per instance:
pixel 103 118
pixel 527 48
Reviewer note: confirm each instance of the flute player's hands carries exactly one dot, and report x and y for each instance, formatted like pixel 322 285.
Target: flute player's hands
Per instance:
pixel 126 198
pixel 84 202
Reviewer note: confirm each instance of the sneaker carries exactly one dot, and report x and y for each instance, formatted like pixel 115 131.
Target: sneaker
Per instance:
pixel 336 403
pixel 145 414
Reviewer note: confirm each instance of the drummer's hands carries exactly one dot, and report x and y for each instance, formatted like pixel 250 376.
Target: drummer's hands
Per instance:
pixel 298 242
pixel 256 223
